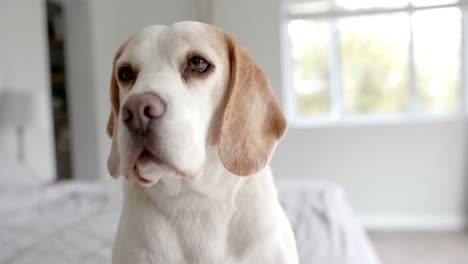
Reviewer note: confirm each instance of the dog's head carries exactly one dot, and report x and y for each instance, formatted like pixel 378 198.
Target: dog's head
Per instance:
pixel 177 91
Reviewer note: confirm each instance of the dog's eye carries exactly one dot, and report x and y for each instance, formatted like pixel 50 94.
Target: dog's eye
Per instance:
pixel 197 65
pixel 126 74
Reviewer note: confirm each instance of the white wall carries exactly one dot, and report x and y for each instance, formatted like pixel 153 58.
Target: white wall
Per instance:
pixel 255 25
pixel 396 176
pixel 81 89
pixel 25 65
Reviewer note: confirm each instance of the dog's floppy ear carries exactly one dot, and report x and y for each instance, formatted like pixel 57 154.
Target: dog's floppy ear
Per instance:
pixel 253 121
pixel 113 161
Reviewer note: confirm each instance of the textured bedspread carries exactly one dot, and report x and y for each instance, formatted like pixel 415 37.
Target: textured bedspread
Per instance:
pixel 75 223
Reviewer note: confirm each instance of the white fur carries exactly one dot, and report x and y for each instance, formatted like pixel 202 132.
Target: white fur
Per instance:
pixel 212 216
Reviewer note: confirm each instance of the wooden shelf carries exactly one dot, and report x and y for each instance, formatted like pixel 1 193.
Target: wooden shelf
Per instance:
pixel 58 77
pixel 55 43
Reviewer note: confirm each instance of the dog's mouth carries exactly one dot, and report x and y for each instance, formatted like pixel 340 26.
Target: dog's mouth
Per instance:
pixel 140 178
pixel 145 168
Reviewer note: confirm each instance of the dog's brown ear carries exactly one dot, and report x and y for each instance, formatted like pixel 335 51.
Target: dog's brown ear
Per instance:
pixel 113 161
pixel 253 121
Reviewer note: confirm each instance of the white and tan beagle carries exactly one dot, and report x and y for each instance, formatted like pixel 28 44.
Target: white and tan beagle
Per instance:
pixel 191 112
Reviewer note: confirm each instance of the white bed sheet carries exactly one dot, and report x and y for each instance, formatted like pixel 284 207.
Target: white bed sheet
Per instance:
pixel 75 223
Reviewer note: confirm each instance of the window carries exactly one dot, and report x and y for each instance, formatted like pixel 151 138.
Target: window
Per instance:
pixel 373 58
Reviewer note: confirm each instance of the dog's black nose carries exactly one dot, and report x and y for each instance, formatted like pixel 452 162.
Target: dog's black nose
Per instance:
pixel 139 110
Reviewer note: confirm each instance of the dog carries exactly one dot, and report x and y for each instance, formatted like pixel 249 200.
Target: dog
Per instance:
pixel 193 124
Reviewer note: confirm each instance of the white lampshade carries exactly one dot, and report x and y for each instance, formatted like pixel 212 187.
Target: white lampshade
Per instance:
pixel 18 108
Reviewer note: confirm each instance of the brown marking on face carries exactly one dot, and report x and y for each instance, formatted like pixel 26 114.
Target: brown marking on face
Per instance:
pixel 252 120
pixel 114 88
pixel 113 161
pixel 206 34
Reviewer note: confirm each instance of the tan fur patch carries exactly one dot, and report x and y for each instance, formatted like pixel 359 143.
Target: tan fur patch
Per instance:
pixel 253 120
pixel 114 89
pixel 113 162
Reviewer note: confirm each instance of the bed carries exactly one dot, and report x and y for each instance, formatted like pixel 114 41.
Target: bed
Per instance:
pixel 74 222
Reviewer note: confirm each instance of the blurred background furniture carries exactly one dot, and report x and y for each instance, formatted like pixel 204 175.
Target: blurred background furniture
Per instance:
pixel 18 111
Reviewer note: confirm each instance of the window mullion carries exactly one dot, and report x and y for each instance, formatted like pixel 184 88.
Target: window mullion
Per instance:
pixel 335 71
pixel 289 94
pixel 464 58
pixel 414 107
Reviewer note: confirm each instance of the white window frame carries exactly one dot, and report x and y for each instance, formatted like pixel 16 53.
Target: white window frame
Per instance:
pixel 336 116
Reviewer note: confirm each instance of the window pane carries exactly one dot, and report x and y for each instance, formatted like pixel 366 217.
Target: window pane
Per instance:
pixel 437 38
pixel 310 48
pixel 363 4
pixel 374 54
pixel 432 2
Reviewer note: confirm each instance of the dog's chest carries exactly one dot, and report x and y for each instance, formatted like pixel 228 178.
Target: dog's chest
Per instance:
pixel 203 237
pixel 186 231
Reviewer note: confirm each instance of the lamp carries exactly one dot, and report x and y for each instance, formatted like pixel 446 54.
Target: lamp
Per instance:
pixel 18 110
